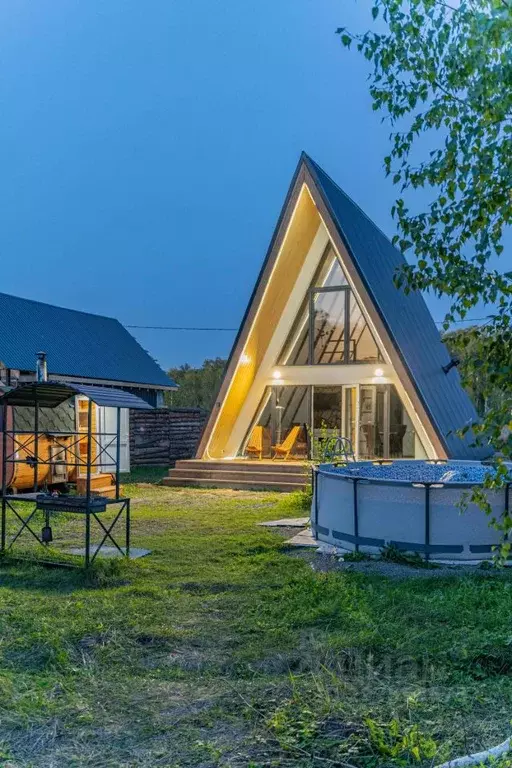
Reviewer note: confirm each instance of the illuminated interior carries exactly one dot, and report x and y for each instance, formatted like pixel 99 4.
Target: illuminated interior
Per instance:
pixel 371 416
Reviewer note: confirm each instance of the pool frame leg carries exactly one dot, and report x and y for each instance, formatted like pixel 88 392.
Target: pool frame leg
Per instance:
pixel 314 485
pixel 507 507
pixel 356 517
pixel 427 521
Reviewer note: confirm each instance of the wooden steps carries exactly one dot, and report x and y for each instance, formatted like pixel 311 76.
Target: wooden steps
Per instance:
pixel 239 475
pixel 101 485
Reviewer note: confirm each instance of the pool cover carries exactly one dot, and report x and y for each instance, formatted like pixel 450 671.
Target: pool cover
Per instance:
pixel 450 472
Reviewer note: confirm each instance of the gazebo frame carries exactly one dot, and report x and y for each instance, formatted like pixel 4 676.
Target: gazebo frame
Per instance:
pixel 49 394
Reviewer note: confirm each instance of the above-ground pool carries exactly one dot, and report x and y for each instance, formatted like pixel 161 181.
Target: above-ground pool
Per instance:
pixel 411 505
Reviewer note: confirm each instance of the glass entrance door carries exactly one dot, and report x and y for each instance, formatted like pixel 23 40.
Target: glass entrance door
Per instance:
pixel 368 428
pixel 326 412
pixel 385 429
pixel 349 421
pixel 334 415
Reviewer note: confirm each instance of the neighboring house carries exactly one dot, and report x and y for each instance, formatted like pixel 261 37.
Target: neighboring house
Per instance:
pixel 329 346
pixel 82 348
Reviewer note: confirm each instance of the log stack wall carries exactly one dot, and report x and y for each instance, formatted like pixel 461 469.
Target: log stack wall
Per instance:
pixel 164 435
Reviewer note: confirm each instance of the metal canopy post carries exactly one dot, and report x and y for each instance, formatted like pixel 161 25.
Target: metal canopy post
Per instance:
pixel 88 487
pixel 4 471
pixel 36 437
pixel 118 449
pixel 127 530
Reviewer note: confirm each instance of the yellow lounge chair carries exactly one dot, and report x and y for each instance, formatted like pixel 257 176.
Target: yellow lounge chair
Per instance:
pixel 254 448
pixel 284 449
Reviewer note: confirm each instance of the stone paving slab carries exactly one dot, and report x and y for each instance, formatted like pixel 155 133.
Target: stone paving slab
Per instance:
pixel 135 552
pixel 287 522
pixel 302 539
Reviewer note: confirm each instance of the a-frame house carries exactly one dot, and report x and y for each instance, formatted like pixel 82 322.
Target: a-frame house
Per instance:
pixel 329 346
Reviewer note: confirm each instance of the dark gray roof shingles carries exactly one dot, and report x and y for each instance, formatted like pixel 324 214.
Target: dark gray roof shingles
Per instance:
pixel 407 318
pixel 77 343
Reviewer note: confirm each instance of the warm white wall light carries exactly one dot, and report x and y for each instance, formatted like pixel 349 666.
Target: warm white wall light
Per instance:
pixel 379 373
pixel 276 375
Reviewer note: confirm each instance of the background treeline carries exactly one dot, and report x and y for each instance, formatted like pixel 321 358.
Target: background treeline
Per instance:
pixel 197 386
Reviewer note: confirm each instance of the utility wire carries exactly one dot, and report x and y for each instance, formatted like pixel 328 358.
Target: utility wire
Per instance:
pixel 468 320
pixel 177 328
pixel 191 328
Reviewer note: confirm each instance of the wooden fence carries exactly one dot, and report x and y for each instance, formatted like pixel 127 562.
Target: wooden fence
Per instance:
pixel 162 436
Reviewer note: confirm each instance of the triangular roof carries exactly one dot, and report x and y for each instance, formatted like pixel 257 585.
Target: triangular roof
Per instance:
pixel 77 344
pixel 413 341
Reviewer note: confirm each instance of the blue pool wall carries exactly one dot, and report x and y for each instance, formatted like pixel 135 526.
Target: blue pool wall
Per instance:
pixel 356 512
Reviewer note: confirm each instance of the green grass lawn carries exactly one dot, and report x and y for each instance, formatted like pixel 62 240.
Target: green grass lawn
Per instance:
pixel 222 649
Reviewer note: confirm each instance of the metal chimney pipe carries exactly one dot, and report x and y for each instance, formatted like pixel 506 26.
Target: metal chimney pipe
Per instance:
pixel 41 369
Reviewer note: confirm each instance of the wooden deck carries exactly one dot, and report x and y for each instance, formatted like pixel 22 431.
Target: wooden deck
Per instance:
pixel 240 474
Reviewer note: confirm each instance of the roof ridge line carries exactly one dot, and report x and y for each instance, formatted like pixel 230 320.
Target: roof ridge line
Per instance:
pixel 56 306
pixel 316 166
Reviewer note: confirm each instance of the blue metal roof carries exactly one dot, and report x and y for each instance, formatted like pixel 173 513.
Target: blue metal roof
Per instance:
pixel 50 394
pixel 406 317
pixel 77 344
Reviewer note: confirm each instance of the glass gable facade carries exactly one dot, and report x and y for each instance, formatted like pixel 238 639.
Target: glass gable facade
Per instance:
pixel 299 421
pixel 330 327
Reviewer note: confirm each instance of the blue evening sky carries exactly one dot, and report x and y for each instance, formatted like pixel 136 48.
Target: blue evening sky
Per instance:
pixel 146 148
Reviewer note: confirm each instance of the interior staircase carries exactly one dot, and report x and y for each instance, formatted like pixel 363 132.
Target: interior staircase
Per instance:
pixel 242 475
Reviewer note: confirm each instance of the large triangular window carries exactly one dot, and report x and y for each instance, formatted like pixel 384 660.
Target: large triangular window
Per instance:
pixel 330 326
